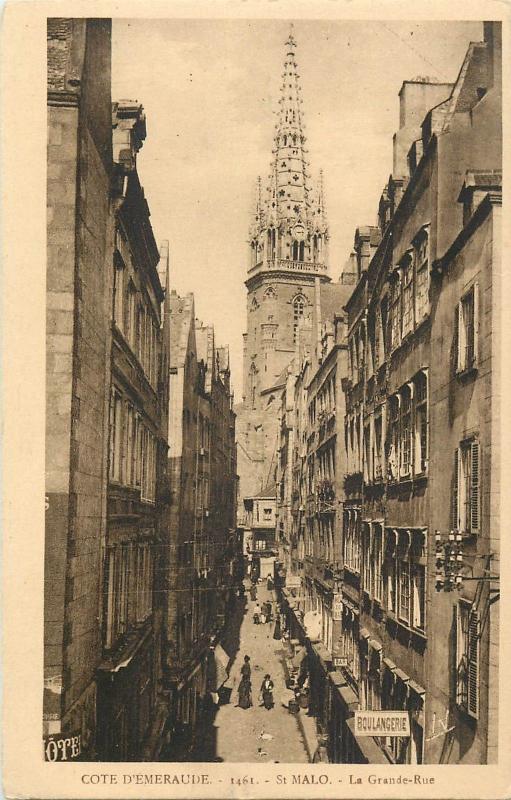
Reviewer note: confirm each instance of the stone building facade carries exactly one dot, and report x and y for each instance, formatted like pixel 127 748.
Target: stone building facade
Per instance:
pixel 420 547
pixel 201 517
pixel 106 415
pixel 129 675
pixel 78 342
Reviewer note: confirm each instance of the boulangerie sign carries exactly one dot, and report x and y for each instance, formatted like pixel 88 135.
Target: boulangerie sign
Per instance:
pixel 382 723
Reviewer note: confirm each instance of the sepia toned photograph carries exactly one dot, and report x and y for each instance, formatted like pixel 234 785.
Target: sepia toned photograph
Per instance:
pixel 273 388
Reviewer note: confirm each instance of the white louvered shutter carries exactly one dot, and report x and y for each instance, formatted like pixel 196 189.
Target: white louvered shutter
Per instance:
pixel 473 664
pixel 458 365
pixel 474 488
pixel 476 325
pixel 455 492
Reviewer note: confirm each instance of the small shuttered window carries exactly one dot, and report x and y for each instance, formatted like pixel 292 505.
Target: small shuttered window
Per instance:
pixel 465 498
pixel 466 331
pixel 467 658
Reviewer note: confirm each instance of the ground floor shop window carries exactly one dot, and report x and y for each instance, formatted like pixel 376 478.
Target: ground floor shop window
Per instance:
pixel 416 746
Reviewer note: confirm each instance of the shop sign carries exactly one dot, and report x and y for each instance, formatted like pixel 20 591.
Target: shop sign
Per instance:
pixel 382 723
pixel 337 607
pixel 340 661
pixel 62 748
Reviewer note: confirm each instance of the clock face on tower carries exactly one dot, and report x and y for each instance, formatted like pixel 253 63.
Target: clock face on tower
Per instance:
pixel 298 232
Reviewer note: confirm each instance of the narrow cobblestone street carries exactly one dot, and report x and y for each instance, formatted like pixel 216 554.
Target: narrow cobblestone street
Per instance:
pixel 235 734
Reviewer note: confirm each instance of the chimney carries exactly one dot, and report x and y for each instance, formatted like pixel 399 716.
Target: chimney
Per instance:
pixel 416 98
pixel 493 39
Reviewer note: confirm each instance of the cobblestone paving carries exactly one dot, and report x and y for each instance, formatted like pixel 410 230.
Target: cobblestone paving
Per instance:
pixel 238 731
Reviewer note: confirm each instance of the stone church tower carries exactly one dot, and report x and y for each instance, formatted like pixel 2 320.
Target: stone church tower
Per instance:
pixel 287 259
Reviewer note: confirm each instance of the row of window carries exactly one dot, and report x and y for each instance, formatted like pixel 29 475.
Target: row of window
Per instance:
pixel 390 564
pixel 134 318
pixel 299 249
pixel 319 539
pixel 408 430
pixel 394 436
pixel 133 448
pixel 394 317
pixel 324 402
pixel 129 576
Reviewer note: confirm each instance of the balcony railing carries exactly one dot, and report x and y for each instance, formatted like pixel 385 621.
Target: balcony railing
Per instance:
pixel 289 266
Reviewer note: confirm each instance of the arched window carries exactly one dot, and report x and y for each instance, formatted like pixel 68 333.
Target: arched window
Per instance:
pixel 270 293
pixel 271 243
pixel 298 311
pixel 301 252
pixel 295 251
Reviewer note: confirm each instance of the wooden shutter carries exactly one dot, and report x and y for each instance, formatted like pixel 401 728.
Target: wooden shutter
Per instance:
pixel 476 325
pixel 474 487
pixel 458 659
pixel 457 339
pixel 455 492
pixel 473 664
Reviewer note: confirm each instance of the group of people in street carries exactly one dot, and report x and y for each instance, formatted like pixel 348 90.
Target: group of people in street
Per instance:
pixel 245 688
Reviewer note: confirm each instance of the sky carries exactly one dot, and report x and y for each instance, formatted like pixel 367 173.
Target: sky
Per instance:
pixel 210 90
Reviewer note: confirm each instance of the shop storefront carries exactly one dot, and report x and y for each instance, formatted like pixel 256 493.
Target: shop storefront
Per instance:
pixel 125 702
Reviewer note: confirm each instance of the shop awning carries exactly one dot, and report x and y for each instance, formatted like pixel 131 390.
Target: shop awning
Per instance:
pixel 389 664
pixel 375 644
pixel 347 695
pixel 218 661
pixel 126 655
pixel 312 625
pixel 323 654
pixel 416 687
pixel 364 633
pixel 401 675
pixel 367 746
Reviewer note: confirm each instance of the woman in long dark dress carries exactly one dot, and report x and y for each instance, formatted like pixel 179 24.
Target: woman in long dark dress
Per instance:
pixel 267 692
pixel 245 693
pixel 277 632
pixel 245 669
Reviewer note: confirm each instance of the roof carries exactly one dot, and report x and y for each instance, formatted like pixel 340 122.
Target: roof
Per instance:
pixel 484 180
pixel 266 494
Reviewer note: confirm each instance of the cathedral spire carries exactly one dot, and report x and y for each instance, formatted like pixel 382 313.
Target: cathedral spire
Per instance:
pixel 289 163
pixel 290 228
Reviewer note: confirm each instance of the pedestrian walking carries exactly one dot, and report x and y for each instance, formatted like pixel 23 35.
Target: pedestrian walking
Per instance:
pixel 257 614
pixel 269 583
pixel 246 669
pixel 276 630
pixel 245 693
pixel 266 693
pixel 253 592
